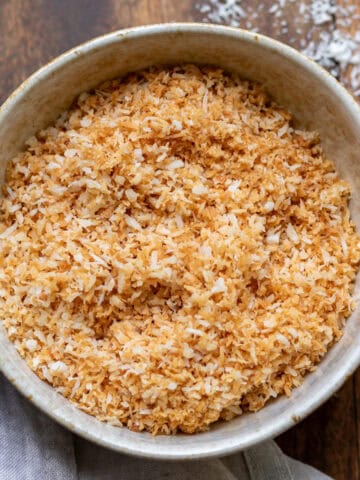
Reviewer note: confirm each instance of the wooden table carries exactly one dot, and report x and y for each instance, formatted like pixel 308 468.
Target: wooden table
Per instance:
pixel 34 31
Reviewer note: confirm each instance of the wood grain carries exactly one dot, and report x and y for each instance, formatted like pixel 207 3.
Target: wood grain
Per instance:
pixel 327 439
pixel 35 31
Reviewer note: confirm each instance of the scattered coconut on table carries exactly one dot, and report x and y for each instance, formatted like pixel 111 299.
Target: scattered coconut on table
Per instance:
pixel 317 27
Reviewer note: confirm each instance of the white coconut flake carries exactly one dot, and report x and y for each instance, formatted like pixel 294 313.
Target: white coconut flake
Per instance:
pixel 84 222
pixel 282 339
pixel 293 332
pixel 269 206
pixel 10 230
pixel 132 223
pixel 138 154
pixel 219 286
pixel 53 166
pixel 344 246
pixel 154 260
pixel 58 367
pixel 269 322
pixel 70 152
pixel 273 238
pixel 205 250
pixel 325 255
pixel 58 189
pixel 179 221
pixel 120 180
pixel 131 195
pixel 78 257
pixel 291 233
pixel 177 125
pixel 172 386
pixel 199 189
pixel 85 122
pixel 194 331
pixel 175 165
pixel 32 345
pixel 234 186
pixel 322 11
pixel 187 351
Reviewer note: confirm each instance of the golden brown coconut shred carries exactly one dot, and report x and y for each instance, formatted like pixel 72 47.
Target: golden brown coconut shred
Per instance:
pixel 174 252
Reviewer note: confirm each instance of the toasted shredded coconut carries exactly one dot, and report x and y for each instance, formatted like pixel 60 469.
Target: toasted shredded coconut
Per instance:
pixel 192 258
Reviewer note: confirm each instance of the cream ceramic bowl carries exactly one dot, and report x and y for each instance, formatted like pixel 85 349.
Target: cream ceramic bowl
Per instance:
pixel 317 102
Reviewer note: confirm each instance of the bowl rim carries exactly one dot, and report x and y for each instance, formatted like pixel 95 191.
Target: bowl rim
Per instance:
pixel 226 446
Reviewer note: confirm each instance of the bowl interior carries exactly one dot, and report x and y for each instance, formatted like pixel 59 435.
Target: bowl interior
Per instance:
pixel 296 83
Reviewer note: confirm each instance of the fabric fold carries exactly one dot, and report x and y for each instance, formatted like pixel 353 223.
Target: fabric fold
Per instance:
pixel 32 446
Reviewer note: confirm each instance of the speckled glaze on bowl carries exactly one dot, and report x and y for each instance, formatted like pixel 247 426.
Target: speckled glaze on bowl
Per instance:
pixel 317 102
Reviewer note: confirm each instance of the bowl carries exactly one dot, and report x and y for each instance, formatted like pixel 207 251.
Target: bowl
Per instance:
pixel 316 100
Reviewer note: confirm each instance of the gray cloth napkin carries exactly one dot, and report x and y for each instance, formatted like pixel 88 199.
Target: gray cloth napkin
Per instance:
pixel 33 447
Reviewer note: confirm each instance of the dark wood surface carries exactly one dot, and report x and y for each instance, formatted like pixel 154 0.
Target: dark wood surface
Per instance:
pixel 34 31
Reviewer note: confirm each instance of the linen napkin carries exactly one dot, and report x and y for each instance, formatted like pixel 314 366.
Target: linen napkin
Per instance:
pixel 33 447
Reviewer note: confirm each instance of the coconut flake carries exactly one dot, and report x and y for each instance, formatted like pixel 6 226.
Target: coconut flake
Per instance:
pixel 291 233
pixel 177 124
pixel 269 206
pixel 138 154
pixel 282 339
pixel 9 231
pixel 199 189
pixel 131 195
pixel 132 223
pixel 70 152
pixel 219 286
pixel 205 250
pixel 175 165
pixel 85 122
pixel 273 238
pixel 234 186
pixel 179 221
pixel 58 367
pixel 32 345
